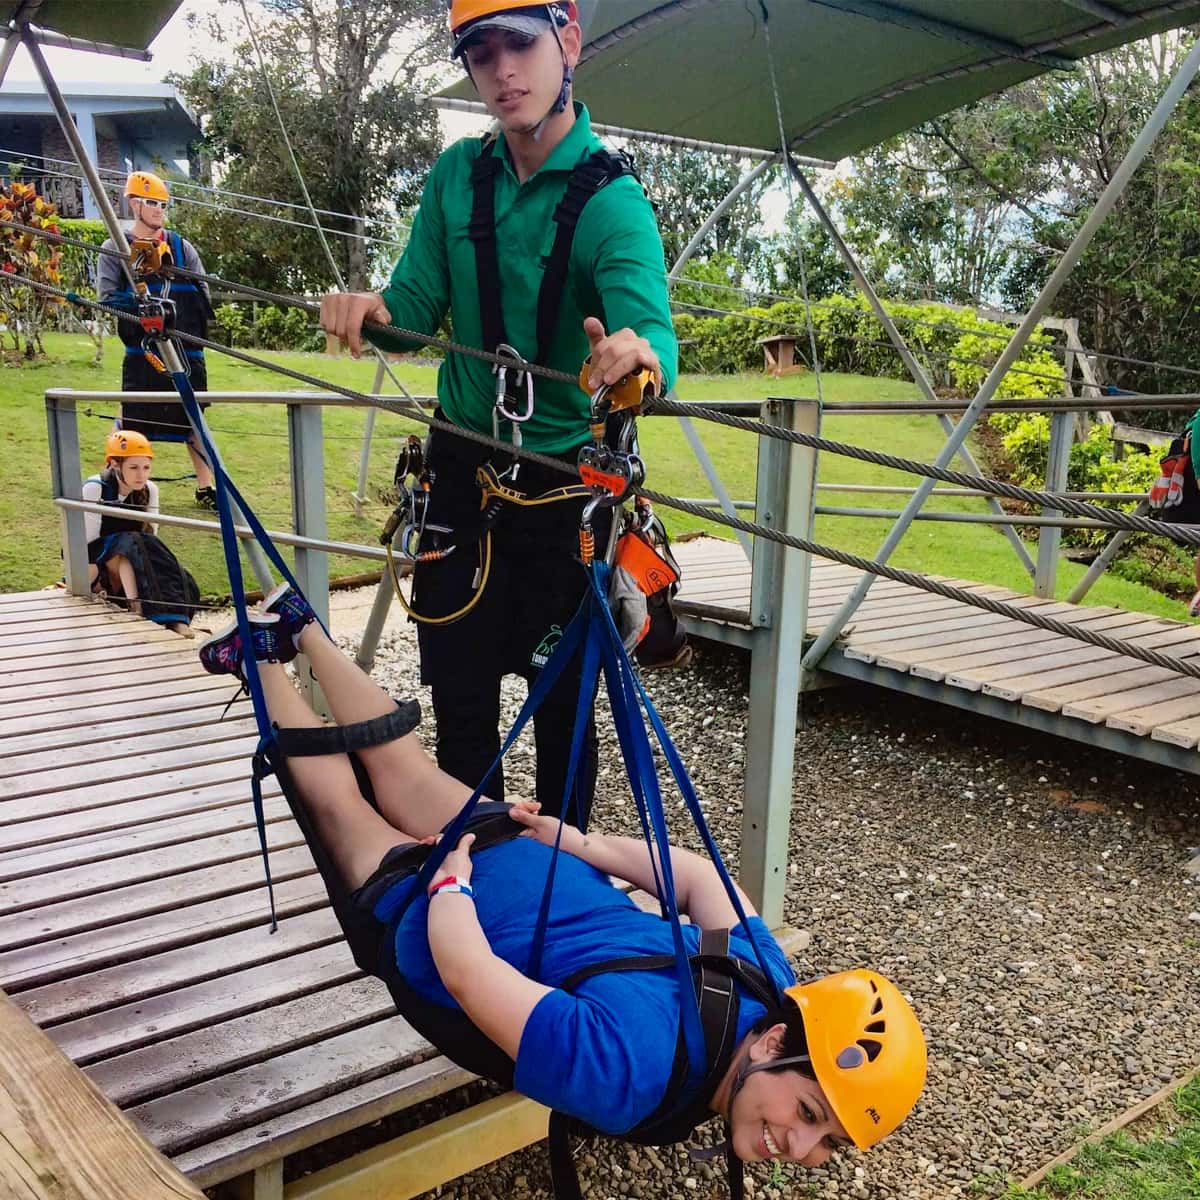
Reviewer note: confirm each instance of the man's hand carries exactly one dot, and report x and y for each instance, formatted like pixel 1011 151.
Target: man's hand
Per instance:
pixel 615 355
pixel 343 314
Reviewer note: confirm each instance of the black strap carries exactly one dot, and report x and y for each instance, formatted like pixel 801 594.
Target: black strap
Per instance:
pixel 482 232
pixel 346 739
pixel 587 177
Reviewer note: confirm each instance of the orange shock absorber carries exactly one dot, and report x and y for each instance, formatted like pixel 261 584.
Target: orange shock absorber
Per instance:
pixel 587 545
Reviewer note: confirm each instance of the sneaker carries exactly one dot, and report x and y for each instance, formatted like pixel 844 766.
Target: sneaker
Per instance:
pixel 292 609
pixel 1194 607
pixel 206 497
pixel 221 654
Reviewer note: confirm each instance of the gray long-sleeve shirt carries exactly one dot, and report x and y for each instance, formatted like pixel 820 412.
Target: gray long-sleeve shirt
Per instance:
pixel 111 278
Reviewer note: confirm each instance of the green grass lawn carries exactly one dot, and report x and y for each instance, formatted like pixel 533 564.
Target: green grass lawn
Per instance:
pixel 1158 1158
pixel 253 441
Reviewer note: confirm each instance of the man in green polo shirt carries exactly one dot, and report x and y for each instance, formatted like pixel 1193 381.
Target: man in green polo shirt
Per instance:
pixel 612 306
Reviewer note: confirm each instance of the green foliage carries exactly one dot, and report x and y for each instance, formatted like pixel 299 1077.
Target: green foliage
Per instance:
pixel 230 325
pixel 850 338
pixel 285 329
pixel 79 266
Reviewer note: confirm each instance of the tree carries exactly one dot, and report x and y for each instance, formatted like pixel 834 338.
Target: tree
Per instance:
pixel 24 309
pixel 348 76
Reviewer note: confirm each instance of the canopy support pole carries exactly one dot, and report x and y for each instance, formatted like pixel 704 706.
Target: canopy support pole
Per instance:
pixel 1132 160
pixel 166 348
pixel 7 51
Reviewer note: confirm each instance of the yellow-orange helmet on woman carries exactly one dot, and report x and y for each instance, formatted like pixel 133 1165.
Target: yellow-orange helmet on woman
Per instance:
pixel 866 1049
pixel 124 443
pixel 468 17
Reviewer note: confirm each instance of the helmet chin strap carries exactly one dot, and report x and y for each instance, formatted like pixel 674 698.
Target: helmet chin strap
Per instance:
pixel 564 92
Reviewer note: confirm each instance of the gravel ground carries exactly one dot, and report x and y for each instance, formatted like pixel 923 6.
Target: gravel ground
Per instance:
pixel 1030 895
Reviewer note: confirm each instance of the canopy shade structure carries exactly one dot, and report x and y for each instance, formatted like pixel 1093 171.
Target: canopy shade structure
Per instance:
pixel 851 72
pixel 111 24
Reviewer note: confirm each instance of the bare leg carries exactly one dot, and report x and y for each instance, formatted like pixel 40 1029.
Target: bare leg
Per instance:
pixel 413 794
pixel 355 834
pixel 204 475
pixel 127 580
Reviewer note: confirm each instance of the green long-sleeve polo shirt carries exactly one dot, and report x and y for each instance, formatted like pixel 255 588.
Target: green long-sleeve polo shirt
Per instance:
pixel 616 273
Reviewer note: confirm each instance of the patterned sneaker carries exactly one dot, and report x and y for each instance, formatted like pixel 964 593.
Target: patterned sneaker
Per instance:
pixel 293 611
pixel 206 497
pixel 221 654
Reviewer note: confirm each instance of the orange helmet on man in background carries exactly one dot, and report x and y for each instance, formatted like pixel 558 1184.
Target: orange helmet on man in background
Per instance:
pixel 145 185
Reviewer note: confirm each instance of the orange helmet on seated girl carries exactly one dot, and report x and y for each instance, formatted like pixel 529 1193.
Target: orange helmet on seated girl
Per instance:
pixel 125 443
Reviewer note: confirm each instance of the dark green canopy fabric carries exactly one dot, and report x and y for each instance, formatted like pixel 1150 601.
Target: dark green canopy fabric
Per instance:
pixel 851 72
pixel 133 24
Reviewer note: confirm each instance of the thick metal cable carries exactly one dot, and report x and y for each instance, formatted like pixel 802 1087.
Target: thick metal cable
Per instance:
pixel 996 487
pixel 308 306
pixel 911 578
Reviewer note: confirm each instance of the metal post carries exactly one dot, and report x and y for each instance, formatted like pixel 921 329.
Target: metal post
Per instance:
pixel 1058 461
pixel 1011 352
pixel 369 642
pixel 359 495
pixel 786 485
pixel 62 427
pixel 307 460
pixel 7 51
pixel 1081 589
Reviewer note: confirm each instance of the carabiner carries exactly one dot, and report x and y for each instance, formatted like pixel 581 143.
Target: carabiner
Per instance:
pixel 501 370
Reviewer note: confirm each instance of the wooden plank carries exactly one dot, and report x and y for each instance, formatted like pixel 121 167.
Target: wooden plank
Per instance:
pixel 230 762
pixel 1082 682
pixel 1062 653
pixel 29 834
pixel 60 1139
pixel 74 644
pixel 76 976
pixel 164 646
pixel 113 760
pixel 173 894
pixel 1173 687
pixel 109 676
pixel 158 1018
pixel 48 626
pixel 1179 733
pixel 287 1133
pixel 220 1048
pixel 220 1106
pixel 177 862
pixel 425 1159
pixel 18 602
pixel 87 729
pixel 1141 721
pixel 78 852
pixel 985 652
pixel 177 688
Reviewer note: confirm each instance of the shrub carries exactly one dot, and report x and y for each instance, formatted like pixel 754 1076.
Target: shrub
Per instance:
pixel 230 325
pixel 285 329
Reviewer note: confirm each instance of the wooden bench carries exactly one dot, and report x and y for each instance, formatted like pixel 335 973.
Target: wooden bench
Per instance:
pixel 779 355
pixel 60 1139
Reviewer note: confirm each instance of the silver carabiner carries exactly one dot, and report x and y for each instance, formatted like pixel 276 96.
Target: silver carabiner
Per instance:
pixel 523 375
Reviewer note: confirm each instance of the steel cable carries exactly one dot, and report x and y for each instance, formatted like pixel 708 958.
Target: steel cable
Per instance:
pixel 911 578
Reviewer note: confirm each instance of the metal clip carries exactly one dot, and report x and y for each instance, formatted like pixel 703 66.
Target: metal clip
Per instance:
pixel 502 410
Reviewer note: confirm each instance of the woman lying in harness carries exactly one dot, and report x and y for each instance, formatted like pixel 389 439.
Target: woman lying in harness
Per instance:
pixel 841 1062
pixel 126 558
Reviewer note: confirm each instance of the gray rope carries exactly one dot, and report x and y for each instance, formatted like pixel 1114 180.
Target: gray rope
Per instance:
pixel 1010 491
pixel 911 578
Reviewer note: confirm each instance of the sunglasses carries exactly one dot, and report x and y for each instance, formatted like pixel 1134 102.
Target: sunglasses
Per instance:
pixel 153 203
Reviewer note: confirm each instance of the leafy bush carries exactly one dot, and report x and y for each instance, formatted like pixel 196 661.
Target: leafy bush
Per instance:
pixel 78 266
pixel 285 329
pixel 230 325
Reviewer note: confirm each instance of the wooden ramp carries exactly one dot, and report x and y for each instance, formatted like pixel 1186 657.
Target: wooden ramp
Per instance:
pixel 134 921
pixel 944 650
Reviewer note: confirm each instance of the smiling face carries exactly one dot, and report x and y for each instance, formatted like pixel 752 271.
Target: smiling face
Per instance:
pixel 150 213
pixel 783 1114
pixel 519 77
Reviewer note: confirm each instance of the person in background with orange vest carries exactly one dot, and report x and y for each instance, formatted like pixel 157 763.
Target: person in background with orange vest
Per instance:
pixel 162 421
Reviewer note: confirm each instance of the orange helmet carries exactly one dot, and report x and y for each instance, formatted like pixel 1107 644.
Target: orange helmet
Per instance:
pixel 123 443
pixel 145 185
pixel 866 1049
pixel 508 14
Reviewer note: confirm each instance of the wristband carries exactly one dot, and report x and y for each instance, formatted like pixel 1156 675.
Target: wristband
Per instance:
pixel 452 883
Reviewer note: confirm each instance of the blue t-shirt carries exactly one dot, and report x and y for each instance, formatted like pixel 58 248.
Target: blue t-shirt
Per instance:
pixel 604 1052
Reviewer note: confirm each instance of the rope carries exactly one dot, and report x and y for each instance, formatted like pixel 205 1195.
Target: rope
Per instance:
pixel 911 578
pixel 1190 535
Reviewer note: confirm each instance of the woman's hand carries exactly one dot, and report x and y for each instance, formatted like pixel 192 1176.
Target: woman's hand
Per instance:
pixel 457 862
pixel 545 829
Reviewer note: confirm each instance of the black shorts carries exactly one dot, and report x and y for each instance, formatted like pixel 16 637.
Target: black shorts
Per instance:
pixel 372 943
pixel 159 420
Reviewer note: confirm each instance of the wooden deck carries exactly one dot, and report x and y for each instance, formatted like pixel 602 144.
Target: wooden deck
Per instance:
pixel 945 650
pixel 133 912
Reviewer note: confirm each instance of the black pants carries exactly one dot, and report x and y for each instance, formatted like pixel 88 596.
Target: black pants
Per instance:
pixel 165 420
pixel 534 588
